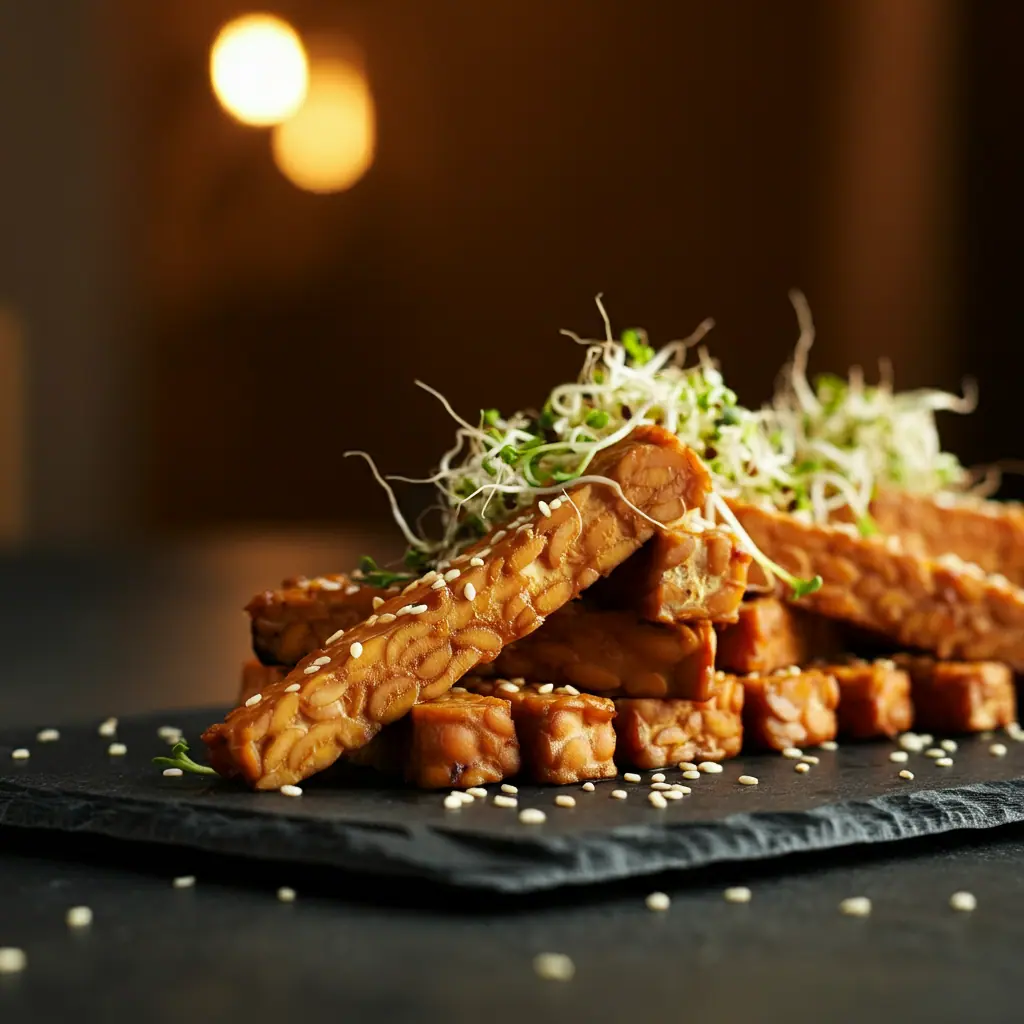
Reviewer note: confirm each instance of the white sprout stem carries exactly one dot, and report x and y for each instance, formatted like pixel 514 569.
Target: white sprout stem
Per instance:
pixel 407 532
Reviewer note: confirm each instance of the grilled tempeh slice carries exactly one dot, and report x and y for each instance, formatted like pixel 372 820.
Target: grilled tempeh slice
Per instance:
pixel 960 697
pixel 944 606
pixel 658 733
pixel 874 698
pixel 988 533
pixel 418 644
pixel 296 619
pixel 616 654
pixel 790 708
pixel 564 736
pixel 770 634
pixel 690 572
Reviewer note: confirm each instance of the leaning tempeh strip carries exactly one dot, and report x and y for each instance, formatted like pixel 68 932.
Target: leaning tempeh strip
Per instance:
pixel 418 644
pixel 616 654
pixel 988 533
pixel 944 606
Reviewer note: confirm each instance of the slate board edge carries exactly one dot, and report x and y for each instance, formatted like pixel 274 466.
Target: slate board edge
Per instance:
pixel 545 861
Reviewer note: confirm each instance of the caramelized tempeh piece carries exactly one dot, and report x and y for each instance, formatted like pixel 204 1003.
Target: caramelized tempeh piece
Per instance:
pixel 293 621
pixel 874 698
pixel 988 533
pixel 687 573
pixel 616 654
pixel 771 634
pixel 791 708
pixel 658 733
pixel 456 740
pixel 957 697
pixel 564 737
pixel 947 607
pixel 418 644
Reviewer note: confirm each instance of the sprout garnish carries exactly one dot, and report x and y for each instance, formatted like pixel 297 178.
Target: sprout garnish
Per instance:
pixel 179 759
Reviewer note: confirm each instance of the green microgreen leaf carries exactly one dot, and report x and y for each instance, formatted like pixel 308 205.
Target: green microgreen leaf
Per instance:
pixel 597 418
pixel 490 417
pixel 179 759
pixel 801 588
pixel 635 344
pixel 866 525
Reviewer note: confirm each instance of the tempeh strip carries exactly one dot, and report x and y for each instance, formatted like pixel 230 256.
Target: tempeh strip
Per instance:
pixel 791 708
pixel 257 677
pixel 418 644
pixel 616 654
pixel 874 698
pixel 944 606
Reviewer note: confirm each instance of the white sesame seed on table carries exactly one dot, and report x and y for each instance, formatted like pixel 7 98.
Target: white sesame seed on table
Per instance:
pixel 997 750
pixel 658 777
pixel 855 906
pixel 356 650
pixel 340 633
pixel 507 787
pixel 934 752
pixel 899 756
pixel 544 508
pixel 377 602
pixel 452 574
pixel 254 700
pixel 658 901
pixel 792 753
pixel 912 742
pixel 963 901
pixel 464 795
pixel 564 800
pixel 293 688
pixel 78 917
pixel 310 670
pixel 21 754
pixel 619 794
pixel 545 687
pixel 12 960
pixel 286 894
pixel 108 729
pixel 829 745
pixel 737 894
pixel 949 746
pixel 588 787
pixel 657 800
pixel 452 802
pixel 687 766
pixel 680 788
pixel 944 762
pixel 672 794
pixel 810 759
pixel 802 767
pixel 631 777
pixel 477 791
pixel 554 967
pixel 47 736
pixel 660 787
pixel 324 659
pixel 184 882
pixel 746 780
pixel 691 773
pixel 290 790
pixel 505 801
pixel 173 773
pixel 926 739
pixel 117 750
pixel 906 774
pixel 532 816
pixel 469 592
pixel 710 768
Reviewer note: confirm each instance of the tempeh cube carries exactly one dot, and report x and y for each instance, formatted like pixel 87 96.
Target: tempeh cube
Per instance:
pixel 874 698
pixel 945 606
pixel 418 644
pixel 658 733
pixel 789 708
pixel 771 634
pixel 299 617
pixel 692 571
pixel 616 654
pixel 960 697
pixel 564 737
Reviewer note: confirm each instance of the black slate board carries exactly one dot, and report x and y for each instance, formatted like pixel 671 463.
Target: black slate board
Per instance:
pixel 853 796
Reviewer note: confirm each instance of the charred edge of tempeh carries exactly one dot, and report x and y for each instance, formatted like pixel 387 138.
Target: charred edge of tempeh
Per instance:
pixel 874 698
pixel 789 708
pixel 419 643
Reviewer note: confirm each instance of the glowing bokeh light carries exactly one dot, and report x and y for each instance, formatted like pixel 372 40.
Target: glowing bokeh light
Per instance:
pixel 329 144
pixel 259 69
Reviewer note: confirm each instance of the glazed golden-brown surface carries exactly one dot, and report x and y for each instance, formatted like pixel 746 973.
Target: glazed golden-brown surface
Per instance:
pixel 874 698
pixel 564 736
pixel 257 677
pixel 682 574
pixel 616 654
pixel 298 617
pixel 658 733
pixel 960 697
pixel 944 606
pixel 422 641
pixel 790 708
pixel 771 633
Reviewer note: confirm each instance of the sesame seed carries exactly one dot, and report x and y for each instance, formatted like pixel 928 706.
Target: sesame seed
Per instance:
pixel 452 574
pixel 173 773
pixel 505 801
pixel 372 620
pixel 619 794
pixel 678 787
pixel 404 610
pixel 657 800
pixel 324 659
pixel 793 753
pixel 737 894
pixel 934 752
pixel 477 791
pixel 810 759
pixel 691 773
pixel 443 564
pixel 289 790
pixel 507 687
pixel 377 602
pixel 710 768
pixel 554 967
pixel 661 787
pixel 117 750
pixel 562 800
pixel 464 795
pixel 286 894
pixel 507 787
pixel 254 700
pixel 1015 731
pixel 499 536
pixel 310 670
pixel 418 609
pixel 184 882
pixel 340 633
pixel 631 777
pixel 658 901
pixel 912 742
pixel 856 906
pixel 544 507
pixel 944 762
pixel 658 777
pixel 687 766
pixel 356 650
pixel 672 794
pixel 949 746
pixel 588 787
pixel 926 739
pixel 458 689
pixel 545 687
pixel 997 750
pixel 48 736
pixel 744 780
pixel 410 586
pixel 484 553
pixel 532 816
pixel 899 757
pixel 108 728
pixel 12 960
pixel 963 901
pixel 78 917
pixel 293 688
pixel 906 774
pixel 438 584
pixel 387 617
pixel 21 754
pixel 327 584
pixel 555 504
pixel 452 802
pixel 829 745
pixel 802 767
pixel 430 576
pixel 469 592
pixel 571 690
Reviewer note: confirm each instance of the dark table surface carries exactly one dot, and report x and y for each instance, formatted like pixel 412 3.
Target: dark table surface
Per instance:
pixel 88 636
